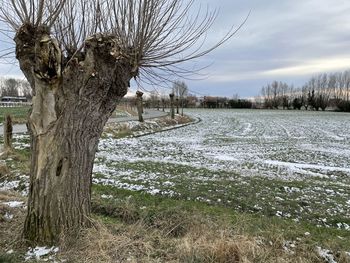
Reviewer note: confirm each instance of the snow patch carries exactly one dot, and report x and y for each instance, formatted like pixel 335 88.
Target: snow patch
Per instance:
pixel 8 216
pixel 106 196
pixel 38 252
pixel 9 185
pixel 307 166
pixel 14 204
pixel 326 254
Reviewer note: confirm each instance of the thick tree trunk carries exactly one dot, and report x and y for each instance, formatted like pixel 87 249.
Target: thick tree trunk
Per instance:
pixel 70 108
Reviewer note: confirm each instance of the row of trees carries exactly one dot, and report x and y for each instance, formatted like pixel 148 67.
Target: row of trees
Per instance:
pixel 15 87
pixel 162 101
pixel 320 92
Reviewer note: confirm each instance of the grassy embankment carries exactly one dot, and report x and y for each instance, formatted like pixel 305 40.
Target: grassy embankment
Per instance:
pixel 18 114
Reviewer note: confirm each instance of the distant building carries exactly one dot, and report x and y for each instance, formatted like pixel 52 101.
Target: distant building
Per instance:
pixel 9 101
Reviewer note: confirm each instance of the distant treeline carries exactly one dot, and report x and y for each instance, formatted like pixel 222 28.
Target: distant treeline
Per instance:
pixel 328 90
pixel 192 101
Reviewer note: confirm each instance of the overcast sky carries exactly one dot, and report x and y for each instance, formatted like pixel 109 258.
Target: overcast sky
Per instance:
pixel 284 40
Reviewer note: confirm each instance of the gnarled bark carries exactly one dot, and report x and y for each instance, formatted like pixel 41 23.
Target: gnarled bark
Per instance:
pixel 72 100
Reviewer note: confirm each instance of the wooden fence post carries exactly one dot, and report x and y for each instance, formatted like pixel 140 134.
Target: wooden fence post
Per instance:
pixel 8 132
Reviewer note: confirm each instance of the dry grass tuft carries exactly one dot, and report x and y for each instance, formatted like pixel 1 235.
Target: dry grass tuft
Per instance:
pixel 4 153
pixel 4 170
pixel 167 121
pixel 141 243
pixel 219 249
pixel 11 221
pixel 113 243
pixel 118 130
pixel 176 235
pixel 128 109
pixel 124 234
pixel 6 196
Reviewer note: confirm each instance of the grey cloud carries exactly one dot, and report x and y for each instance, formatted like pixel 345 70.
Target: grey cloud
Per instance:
pixel 279 35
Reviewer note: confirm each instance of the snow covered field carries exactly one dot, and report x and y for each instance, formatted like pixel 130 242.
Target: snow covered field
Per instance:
pixel 284 163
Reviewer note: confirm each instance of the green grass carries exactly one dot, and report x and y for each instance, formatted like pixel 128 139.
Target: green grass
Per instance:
pixel 294 199
pixel 130 206
pixel 18 114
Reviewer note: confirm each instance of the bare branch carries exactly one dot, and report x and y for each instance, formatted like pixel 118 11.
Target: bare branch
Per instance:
pixel 149 34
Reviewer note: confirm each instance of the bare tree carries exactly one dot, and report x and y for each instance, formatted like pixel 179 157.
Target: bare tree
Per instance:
pixel 154 99
pixel 285 94
pixel 180 90
pixel 346 81
pixel 276 94
pixel 79 57
pixel 26 90
pixel 176 92
pixel 267 95
pixel 172 108
pixel 139 105
pixel 326 86
pixel 10 87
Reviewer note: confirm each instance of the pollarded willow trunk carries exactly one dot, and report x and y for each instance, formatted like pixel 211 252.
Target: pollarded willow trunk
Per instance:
pixel 139 105
pixel 72 101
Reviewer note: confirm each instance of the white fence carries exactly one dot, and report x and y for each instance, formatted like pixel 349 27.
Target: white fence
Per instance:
pixel 7 104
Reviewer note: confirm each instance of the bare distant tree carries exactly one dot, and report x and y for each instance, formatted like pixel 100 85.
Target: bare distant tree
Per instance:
pixel 285 94
pixel 26 90
pixel 10 87
pixel 275 94
pixel 346 81
pixel 139 105
pixel 172 108
pixel 154 99
pixel 326 86
pixel 79 57
pixel 180 90
pixel 266 94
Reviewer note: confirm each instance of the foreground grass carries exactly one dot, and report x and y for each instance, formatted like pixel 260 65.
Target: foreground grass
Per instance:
pixel 18 114
pixel 202 233
pixel 133 226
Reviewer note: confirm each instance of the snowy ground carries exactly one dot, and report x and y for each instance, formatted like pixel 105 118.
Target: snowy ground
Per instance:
pixel 284 163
